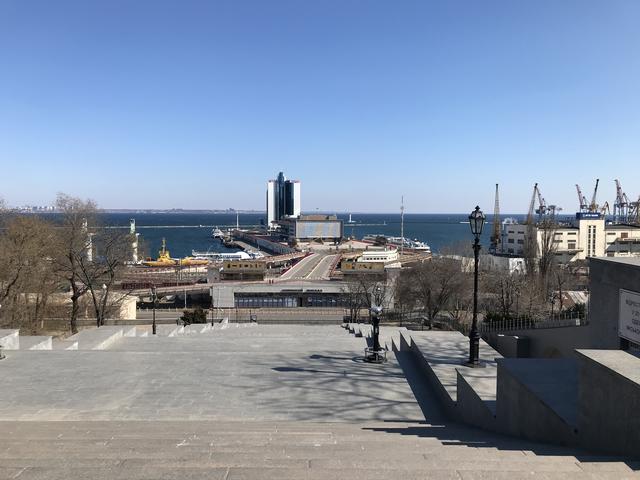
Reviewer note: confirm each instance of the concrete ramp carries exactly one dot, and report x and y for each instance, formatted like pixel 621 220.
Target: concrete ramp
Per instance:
pixel 33 342
pixel 390 337
pixel 9 339
pixel 467 394
pixel 168 330
pixel 65 345
pixel 476 396
pixel 100 338
pixel 547 389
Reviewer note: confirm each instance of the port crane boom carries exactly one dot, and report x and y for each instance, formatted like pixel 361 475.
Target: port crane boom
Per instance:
pixel 593 206
pixel 532 205
pixel 582 200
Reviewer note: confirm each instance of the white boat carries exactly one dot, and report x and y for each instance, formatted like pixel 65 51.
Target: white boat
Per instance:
pixel 414 244
pixel 222 256
pixel 217 233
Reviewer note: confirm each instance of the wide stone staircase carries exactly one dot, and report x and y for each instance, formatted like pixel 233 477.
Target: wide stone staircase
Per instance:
pixel 247 401
pixel 282 450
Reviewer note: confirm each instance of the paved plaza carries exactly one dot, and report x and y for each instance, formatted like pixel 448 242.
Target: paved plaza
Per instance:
pixel 252 402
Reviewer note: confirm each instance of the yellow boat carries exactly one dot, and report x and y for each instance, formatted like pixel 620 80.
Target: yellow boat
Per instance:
pixel 192 262
pixel 164 258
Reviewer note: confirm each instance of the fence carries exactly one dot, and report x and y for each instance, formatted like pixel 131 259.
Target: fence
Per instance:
pixel 445 322
pixel 528 324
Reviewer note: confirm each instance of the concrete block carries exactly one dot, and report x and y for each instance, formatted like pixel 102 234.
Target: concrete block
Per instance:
pixel 476 396
pixel 65 345
pixel 32 342
pixel 167 330
pixel 9 339
pixel 97 338
pixel 513 346
pixel 537 399
pixel 609 401
pixel 129 330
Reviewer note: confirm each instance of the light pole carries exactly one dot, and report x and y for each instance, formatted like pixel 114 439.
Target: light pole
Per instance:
pixel 153 298
pixel 476 221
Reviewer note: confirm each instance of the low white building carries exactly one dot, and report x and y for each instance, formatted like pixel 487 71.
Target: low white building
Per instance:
pixel 505 263
pixel 385 255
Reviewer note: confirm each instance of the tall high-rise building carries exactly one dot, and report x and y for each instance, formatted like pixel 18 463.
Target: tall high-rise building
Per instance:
pixel 283 199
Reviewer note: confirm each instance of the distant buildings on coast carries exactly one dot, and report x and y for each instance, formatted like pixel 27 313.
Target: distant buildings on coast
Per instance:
pixel 283 215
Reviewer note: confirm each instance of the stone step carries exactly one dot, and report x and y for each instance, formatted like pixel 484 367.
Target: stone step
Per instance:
pixel 152 450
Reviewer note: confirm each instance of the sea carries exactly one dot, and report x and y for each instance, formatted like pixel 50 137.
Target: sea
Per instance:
pixel 185 232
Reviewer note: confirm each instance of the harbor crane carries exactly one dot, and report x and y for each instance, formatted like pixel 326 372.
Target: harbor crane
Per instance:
pixel 542 203
pixel 593 206
pixel 532 204
pixel 585 206
pixel 621 205
pixel 582 200
pixel 634 214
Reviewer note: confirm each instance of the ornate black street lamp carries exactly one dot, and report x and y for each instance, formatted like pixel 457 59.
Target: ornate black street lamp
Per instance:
pixel 476 222
pixel 154 297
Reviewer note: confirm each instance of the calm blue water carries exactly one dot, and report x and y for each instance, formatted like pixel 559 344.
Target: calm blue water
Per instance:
pixel 438 230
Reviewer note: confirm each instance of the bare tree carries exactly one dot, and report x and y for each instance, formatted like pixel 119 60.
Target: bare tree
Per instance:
pixel 435 283
pixel 362 290
pixel 26 279
pixel 404 296
pixel 74 246
pixel 547 248
pixel 99 274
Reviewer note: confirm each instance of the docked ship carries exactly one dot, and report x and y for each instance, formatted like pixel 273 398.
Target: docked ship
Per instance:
pixel 222 256
pixel 164 259
pixel 404 242
pixel 217 233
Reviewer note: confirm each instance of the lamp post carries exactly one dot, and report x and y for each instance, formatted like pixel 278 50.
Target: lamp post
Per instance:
pixel 476 222
pixel 154 298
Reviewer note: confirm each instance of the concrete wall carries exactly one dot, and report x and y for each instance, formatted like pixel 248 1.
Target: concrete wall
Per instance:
pixel 607 277
pixel 609 401
pixel 558 342
pixel 521 408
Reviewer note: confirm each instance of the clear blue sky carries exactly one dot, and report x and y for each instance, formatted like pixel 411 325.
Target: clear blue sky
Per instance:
pixel 195 104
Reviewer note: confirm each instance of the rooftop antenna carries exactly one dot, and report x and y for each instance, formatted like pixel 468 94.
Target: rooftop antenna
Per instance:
pixel 402 225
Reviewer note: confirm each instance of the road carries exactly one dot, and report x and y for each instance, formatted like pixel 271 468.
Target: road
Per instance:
pixel 316 266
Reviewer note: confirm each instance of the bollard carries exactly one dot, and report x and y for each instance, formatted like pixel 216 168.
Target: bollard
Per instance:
pixel 1 354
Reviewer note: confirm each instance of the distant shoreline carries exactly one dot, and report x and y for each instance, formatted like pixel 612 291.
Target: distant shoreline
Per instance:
pixel 152 211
